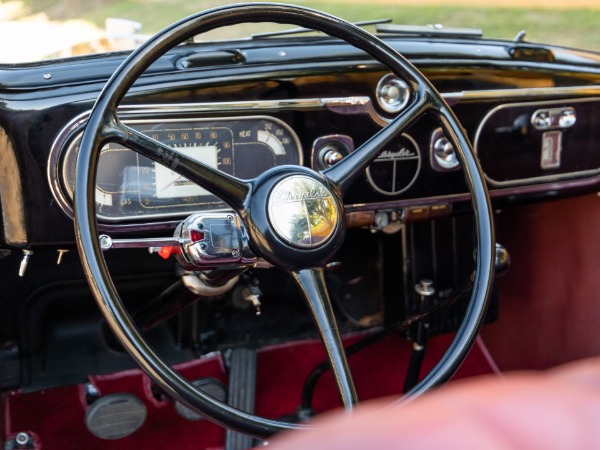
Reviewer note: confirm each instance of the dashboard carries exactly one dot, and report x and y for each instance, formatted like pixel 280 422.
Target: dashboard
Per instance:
pixel 531 123
pixel 521 145
pixel 288 101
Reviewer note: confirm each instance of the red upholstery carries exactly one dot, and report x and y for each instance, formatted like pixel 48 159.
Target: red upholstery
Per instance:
pixel 550 411
pixel 56 416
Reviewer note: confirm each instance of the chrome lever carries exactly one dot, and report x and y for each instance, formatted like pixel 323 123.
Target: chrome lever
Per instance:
pixel 202 241
pixel 108 243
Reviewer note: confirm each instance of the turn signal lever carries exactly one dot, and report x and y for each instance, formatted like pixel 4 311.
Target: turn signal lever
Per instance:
pixel 202 241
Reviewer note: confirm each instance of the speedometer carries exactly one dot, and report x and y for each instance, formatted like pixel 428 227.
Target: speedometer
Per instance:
pixel 130 186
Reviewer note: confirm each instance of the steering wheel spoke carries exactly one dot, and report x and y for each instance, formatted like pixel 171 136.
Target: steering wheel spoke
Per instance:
pixel 230 189
pixel 349 168
pixel 312 284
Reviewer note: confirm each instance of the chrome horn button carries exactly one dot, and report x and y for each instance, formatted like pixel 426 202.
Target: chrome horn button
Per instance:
pixel 302 211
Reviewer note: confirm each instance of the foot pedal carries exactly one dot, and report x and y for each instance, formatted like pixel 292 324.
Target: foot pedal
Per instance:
pixel 115 416
pixel 242 390
pixel 209 386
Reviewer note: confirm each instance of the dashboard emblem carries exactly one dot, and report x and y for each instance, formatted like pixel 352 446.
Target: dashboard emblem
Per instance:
pixel 302 211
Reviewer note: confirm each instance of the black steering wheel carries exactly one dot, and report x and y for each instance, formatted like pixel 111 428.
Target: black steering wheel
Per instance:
pixel 299 246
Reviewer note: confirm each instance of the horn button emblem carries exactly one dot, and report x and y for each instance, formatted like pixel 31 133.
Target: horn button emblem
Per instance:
pixel 302 211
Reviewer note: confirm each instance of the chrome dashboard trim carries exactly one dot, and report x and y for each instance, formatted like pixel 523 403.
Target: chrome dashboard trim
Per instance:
pixel 392 204
pixel 544 178
pixel 340 105
pixel 509 94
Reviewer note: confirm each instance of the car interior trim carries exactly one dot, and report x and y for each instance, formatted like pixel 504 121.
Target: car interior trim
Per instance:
pixel 581 183
pixel 340 105
pixel 494 193
pixel 495 94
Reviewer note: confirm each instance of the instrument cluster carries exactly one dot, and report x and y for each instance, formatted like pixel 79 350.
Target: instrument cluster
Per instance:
pixel 130 186
pixel 132 189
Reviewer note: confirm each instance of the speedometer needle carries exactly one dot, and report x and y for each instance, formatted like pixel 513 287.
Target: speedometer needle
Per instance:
pixel 168 185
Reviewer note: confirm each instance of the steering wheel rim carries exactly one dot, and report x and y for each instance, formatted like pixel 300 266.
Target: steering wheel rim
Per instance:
pixel 103 126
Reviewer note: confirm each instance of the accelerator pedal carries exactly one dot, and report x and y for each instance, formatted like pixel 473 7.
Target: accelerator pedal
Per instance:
pixel 115 416
pixel 210 386
pixel 242 391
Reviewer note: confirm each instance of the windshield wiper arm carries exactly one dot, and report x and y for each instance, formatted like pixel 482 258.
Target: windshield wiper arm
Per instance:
pixel 436 30
pixel 301 30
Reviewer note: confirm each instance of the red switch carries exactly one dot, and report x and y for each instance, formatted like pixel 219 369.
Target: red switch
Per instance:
pixel 197 235
pixel 165 252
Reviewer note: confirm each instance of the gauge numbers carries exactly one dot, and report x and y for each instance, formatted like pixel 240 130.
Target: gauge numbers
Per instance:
pixel 170 184
pixel 130 186
pixel 211 146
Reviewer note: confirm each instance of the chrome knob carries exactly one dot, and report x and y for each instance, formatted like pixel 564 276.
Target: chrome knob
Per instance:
pixel 330 150
pixel 425 288
pixel 502 262
pixel 331 156
pixel 393 94
pixel 444 154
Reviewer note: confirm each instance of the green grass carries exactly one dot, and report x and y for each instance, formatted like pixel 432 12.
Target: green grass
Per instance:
pixel 568 27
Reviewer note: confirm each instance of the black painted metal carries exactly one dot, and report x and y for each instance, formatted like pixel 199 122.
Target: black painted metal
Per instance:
pixel 312 283
pixel 78 72
pixel 350 167
pixel 34 110
pixel 103 126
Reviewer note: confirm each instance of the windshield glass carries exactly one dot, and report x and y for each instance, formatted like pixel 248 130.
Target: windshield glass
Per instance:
pixel 34 30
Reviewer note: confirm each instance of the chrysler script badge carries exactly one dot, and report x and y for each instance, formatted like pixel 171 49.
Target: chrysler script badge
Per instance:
pixel 302 211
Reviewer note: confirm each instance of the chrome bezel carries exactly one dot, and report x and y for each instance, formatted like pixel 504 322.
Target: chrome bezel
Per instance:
pixel 392 80
pixel 542 178
pixel 438 163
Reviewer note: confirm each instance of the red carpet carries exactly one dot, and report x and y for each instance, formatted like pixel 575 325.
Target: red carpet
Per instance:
pixel 55 417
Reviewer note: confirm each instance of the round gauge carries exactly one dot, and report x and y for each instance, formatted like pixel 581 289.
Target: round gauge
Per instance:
pixel 397 166
pixel 131 186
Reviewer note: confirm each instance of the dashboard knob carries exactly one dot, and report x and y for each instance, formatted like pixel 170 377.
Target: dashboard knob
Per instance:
pixel 329 150
pixel 444 154
pixel 425 288
pixel 393 94
pixel 331 156
pixel 502 262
